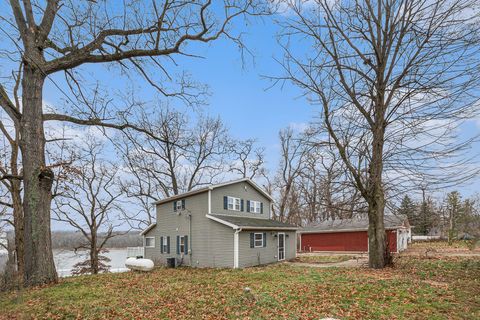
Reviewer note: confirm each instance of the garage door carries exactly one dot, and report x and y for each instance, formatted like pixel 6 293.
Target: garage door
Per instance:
pixel 336 241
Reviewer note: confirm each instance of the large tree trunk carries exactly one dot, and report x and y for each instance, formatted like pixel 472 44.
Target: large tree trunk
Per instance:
pixel 376 201
pixel 37 179
pixel 94 253
pixel 376 234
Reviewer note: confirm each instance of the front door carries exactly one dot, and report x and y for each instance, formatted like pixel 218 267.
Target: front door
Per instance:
pixel 281 246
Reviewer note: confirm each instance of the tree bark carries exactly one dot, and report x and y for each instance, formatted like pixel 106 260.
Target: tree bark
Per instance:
pixel 376 201
pixel 37 179
pixel 18 222
pixel 94 253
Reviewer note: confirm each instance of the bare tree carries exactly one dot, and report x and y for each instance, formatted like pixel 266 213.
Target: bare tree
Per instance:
pixel 312 183
pixel 187 155
pixel 394 80
pixel 293 154
pixel 11 183
pixel 90 203
pixel 54 36
pixel 248 160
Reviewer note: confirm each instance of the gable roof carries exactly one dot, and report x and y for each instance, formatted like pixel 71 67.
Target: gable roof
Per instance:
pixel 150 227
pixel 391 222
pixel 215 186
pixel 238 222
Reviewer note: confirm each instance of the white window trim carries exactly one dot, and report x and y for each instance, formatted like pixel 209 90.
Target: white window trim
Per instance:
pixel 255 205
pixel 255 240
pixel 234 204
pixel 145 242
pixel 164 245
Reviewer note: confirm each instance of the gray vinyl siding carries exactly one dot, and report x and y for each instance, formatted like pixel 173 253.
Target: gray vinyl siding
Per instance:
pixel 254 256
pixel 242 190
pixel 152 253
pixel 210 243
pixel 213 244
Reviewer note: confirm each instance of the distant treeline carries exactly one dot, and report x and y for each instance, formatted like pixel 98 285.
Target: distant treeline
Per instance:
pixel 71 240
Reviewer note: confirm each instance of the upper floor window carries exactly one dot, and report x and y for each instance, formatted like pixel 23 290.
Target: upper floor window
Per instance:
pixel 233 203
pixel 179 205
pixel 255 206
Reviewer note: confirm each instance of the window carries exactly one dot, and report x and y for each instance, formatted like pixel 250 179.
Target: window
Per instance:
pixel 182 244
pixel 165 245
pixel 255 206
pixel 149 242
pixel 179 205
pixel 258 240
pixel 233 203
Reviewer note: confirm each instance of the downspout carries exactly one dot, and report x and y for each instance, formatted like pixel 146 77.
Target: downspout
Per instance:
pixel 236 254
pixel 190 238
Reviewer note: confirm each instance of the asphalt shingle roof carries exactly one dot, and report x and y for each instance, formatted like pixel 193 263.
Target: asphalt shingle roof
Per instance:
pixel 360 224
pixel 245 222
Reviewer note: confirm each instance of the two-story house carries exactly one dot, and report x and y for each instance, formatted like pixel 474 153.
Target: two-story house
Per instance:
pixel 222 225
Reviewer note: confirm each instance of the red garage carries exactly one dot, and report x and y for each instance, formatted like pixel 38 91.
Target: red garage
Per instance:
pixel 351 235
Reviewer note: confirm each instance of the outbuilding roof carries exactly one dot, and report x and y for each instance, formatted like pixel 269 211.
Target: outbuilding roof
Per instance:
pixel 238 222
pixel 391 222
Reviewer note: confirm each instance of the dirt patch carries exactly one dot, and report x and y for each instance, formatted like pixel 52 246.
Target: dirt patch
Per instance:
pixel 351 263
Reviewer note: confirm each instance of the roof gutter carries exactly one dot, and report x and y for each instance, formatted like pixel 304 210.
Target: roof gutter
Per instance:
pixel 344 230
pixel 234 226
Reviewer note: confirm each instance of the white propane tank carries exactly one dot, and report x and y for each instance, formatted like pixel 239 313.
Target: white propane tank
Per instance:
pixel 139 264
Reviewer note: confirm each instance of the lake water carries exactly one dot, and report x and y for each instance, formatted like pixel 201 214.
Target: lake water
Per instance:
pixel 66 259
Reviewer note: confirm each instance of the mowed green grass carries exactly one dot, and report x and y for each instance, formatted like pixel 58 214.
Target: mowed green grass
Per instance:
pixel 415 289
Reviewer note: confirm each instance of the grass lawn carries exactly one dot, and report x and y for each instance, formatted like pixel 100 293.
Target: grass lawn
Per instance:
pixel 415 289
pixel 323 258
pixel 442 245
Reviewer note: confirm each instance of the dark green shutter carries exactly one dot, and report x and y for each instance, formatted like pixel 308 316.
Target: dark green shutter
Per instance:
pixel 241 205
pixel 186 244
pixel 161 244
pixel 168 244
pixel 261 207
pixel 264 239
pixel 174 206
pixel 178 244
pixel 183 204
pixel 252 240
pixel 248 205
pixel 225 202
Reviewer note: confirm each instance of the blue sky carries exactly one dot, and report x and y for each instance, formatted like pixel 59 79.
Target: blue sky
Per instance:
pixel 239 93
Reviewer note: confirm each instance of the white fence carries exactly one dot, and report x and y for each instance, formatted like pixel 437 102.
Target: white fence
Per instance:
pixel 135 252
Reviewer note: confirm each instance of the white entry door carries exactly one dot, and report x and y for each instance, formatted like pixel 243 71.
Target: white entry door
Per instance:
pixel 281 246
